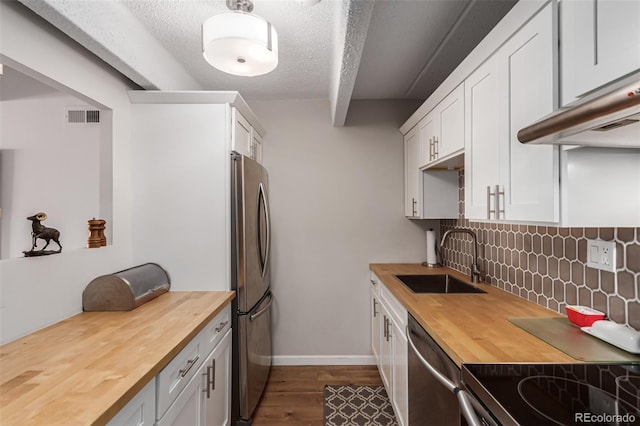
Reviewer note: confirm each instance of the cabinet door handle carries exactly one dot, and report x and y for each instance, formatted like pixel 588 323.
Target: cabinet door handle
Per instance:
pixel 207 389
pixel 384 327
pixel 413 207
pixel 436 151
pixel 221 326
pixel 489 209
pixel 375 312
pixel 499 194
pixel 496 210
pixel 190 363
pixel 212 382
pixel 430 149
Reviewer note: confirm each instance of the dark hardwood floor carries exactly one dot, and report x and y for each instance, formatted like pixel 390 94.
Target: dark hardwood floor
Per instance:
pixel 293 395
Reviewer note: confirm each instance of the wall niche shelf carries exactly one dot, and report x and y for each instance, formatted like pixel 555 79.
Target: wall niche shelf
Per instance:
pixel 55 157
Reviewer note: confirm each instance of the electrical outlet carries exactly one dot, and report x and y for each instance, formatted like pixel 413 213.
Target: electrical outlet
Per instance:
pixel 601 255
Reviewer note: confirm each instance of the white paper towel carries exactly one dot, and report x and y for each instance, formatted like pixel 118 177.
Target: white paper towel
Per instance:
pixel 432 257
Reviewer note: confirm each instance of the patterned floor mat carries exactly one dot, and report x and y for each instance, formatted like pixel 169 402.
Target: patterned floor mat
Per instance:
pixel 357 406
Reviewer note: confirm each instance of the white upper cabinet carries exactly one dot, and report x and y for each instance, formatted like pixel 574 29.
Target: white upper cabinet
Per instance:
pixel 412 199
pixel 442 131
pixel 256 146
pixel 504 179
pixel 429 132
pixel 428 194
pixel 450 114
pixel 482 150
pixel 245 139
pixel 599 42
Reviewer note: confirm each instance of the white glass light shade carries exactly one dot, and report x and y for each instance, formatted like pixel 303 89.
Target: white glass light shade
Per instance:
pixel 240 43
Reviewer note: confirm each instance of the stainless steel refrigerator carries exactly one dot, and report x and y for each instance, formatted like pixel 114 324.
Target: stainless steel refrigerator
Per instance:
pixel 250 243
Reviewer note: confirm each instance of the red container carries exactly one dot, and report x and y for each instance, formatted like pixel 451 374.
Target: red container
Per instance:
pixel 583 316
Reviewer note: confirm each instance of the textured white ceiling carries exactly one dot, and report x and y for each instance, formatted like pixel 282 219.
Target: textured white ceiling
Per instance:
pixel 304 36
pixel 336 49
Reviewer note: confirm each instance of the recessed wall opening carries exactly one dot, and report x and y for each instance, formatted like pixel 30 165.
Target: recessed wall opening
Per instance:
pixel 55 157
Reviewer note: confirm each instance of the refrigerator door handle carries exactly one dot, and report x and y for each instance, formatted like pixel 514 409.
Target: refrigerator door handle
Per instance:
pixel 253 317
pixel 262 198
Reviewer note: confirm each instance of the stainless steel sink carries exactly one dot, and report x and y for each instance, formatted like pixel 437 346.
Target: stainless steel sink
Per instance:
pixel 437 284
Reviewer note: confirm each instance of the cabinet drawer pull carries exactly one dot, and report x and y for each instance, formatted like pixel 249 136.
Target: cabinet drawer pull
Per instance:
pixel 374 282
pixel 221 326
pixel 190 364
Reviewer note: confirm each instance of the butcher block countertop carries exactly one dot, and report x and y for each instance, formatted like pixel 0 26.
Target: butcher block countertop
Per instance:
pixel 472 327
pixel 84 369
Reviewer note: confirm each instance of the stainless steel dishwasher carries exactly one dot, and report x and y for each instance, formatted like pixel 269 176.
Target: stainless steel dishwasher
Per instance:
pixel 435 394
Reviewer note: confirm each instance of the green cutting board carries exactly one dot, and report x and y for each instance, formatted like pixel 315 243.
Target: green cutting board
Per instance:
pixel 568 338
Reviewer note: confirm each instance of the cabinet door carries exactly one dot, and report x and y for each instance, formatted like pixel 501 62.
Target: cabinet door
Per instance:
pixel 186 409
pixel 376 329
pixel 216 384
pixel 400 393
pixel 428 135
pixel 140 411
pixel 451 123
pixel 482 133
pixel 241 136
pixel 529 173
pixel 413 203
pixel 256 146
pixel 600 42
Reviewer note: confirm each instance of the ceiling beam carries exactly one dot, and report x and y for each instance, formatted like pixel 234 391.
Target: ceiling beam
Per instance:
pixel 352 24
pixel 131 51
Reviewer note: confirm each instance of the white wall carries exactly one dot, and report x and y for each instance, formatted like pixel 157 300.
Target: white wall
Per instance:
pixel 336 206
pixel 35 292
pixel 54 167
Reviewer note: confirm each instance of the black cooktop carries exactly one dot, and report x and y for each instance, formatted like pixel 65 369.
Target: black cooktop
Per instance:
pixel 557 394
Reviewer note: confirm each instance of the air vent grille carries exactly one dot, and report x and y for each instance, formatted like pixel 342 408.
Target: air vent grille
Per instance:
pixel 79 116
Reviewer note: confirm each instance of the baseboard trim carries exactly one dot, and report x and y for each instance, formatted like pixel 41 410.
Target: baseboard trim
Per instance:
pixel 323 360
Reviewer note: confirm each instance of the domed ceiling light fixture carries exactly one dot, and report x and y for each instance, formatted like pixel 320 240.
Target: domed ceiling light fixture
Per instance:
pixel 240 43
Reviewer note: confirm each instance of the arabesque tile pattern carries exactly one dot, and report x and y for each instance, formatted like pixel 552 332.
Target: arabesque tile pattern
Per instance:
pixel 548 265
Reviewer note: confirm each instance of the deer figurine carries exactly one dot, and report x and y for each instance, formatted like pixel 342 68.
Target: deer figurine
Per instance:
pixel 42 232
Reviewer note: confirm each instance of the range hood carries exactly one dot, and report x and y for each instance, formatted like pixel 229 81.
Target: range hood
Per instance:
pixel 608 117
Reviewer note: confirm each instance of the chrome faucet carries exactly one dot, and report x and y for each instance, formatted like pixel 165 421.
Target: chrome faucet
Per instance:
pixel 476 273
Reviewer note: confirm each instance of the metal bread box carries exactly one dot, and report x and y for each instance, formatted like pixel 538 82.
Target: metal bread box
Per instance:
pixel 126 290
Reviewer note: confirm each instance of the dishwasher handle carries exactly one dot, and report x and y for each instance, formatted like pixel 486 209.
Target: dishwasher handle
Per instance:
pixel 463 399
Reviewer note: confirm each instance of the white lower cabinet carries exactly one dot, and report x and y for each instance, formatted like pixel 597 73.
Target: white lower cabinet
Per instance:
pixel 140 411
pixel 205 399
pixel 389 346
pixel 193 389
